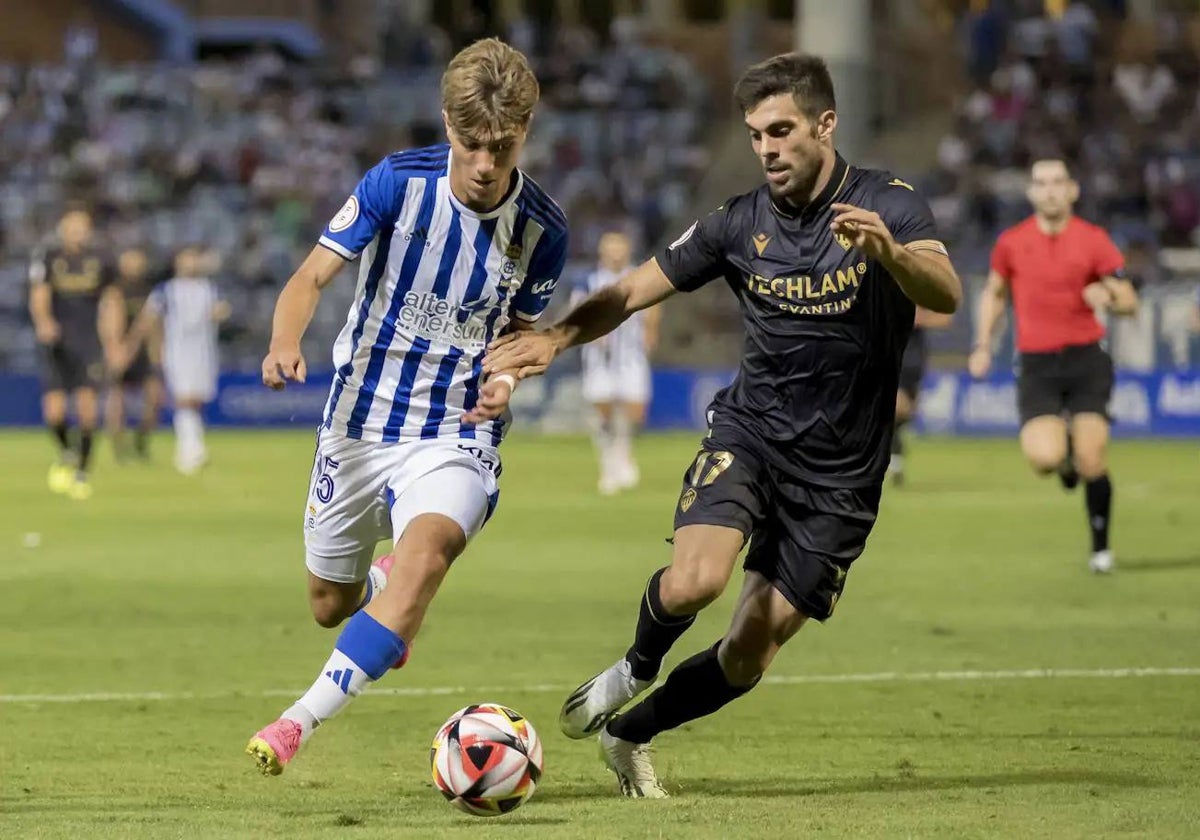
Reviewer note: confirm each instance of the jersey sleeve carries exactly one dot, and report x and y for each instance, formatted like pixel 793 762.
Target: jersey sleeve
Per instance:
pixel 698 256
pixel 38 271
pixel 545 268
pixel 1107 259
pixel 373 204
pixel 908 217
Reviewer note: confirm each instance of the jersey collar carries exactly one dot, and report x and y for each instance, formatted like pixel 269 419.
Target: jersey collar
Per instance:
pixel 837 179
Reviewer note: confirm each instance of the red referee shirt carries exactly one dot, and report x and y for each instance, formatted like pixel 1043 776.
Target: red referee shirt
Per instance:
pixel 1046 274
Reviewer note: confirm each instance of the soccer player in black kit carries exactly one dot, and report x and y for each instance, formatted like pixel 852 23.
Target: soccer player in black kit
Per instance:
pixel 77 315
pixel 142 373
pixel 827 262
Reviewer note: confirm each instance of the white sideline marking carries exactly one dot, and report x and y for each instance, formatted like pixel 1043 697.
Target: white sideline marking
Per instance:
pixel 437 691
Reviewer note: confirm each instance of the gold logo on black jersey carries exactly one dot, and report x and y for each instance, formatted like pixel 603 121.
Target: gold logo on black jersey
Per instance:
pixel 843 240
pixel 896 182
pixel 761 241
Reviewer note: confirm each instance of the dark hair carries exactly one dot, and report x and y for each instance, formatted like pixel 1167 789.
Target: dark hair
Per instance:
pixel 805 77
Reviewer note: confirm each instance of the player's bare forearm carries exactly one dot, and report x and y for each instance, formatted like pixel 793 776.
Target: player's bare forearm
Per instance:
pixel 39 304
pixel 991 309
pixel 927 278
pixel 298 301
pixel 929 320
pixel 111 321
pixel 608 308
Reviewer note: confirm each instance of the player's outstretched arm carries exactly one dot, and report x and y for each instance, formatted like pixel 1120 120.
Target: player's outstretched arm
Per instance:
pixel 530 353
pixel 293 312
pixel 1123 296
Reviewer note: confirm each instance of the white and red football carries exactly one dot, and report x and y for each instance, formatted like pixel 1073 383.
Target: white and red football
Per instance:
pixel 486 759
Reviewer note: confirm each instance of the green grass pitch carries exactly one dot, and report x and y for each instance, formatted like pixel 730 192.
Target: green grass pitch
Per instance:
pixel 188 596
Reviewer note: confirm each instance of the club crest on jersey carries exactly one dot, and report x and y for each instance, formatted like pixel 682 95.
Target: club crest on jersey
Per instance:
pixel 513 251
pixel 761 241
pixel 843 240
pixel 896 182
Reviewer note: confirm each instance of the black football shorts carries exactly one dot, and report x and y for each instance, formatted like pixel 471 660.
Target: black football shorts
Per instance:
pixel 65 367
pixel 1074 380
pixel 803 538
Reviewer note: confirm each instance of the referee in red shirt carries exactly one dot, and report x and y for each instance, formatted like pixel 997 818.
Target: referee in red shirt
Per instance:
pixel 1061 273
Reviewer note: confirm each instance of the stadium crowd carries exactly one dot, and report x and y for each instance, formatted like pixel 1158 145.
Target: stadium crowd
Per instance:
pixel 250 155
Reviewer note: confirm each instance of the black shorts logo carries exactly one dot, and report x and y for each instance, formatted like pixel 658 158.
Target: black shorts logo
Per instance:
pixel 706 469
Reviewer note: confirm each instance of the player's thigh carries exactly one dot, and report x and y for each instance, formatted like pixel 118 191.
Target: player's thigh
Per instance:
pixel 1089 434
pixel 723 501
pixel 346 509
pixel 763 621
pixel 604 410
pixel 809 542
pixel 635 412
pixel 456 480
pixel 1044 441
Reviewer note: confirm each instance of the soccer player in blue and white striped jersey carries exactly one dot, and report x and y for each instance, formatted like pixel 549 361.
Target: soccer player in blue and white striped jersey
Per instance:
pixel 456 245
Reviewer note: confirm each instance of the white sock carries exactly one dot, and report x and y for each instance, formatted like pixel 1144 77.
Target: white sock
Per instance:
pixel 376 583
pixel 340 681
pixel 623 449
pixel 602 437
pixel 189 436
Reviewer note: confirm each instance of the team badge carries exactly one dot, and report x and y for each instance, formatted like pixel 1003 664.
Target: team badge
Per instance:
pixel 761 241
pixel 843 240
pixel 513 251
pixel 896 182
pixel 687 499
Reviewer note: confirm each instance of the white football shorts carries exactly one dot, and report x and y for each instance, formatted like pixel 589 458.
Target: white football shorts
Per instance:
pixel 363 492
pixel 625 382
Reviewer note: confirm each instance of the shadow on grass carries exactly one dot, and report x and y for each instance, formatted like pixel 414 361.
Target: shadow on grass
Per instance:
pixel 903 783
pixel 1134 565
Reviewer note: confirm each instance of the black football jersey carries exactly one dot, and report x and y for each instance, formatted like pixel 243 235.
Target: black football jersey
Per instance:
pixel 77 281
pixel 825 326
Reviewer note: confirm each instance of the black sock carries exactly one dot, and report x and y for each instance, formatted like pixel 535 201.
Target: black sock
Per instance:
pixel 62 435
pixel 141 441
pixel 1098 492
pixel 697 687
pixel 656 631
pixel 85 448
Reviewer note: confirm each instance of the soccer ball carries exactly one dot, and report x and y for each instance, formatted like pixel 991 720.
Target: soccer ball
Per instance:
pixel 486 759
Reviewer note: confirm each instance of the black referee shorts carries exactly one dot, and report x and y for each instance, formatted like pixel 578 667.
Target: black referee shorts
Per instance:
pixel 1074 380
pixel 803 538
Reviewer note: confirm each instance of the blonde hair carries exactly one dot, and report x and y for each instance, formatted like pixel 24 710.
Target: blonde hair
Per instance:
pixel 488 90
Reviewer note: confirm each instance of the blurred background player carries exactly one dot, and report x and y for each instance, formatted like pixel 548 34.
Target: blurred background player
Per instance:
pixel 183 315
pixel 912 371
pixel 616 372
pixel 1062 274
pixel 78 317
pixel 141 377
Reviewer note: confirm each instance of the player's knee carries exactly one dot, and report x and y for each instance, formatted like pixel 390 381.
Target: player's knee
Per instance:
pixel 1044 460
pixel 1090 465
pixel 332 603
pixel 328 611
pixel 692 583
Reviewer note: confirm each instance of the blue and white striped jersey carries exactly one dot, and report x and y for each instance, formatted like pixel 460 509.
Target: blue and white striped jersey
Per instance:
pixel 436 282
pixel 187 307
pixel 624 346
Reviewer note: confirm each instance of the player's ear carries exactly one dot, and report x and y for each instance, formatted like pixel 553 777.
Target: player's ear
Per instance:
pixel 826 125
pixel 446 126
pixel 1072 191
